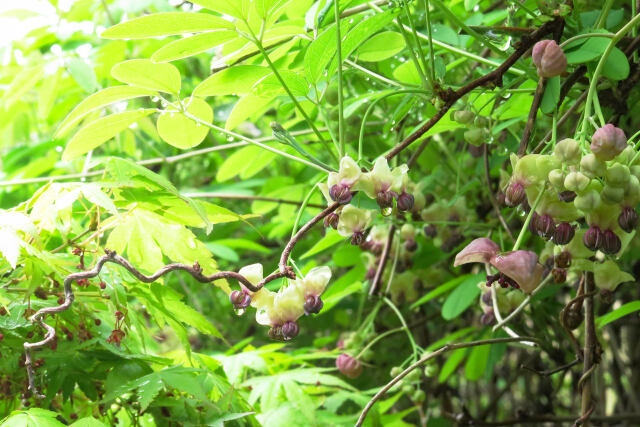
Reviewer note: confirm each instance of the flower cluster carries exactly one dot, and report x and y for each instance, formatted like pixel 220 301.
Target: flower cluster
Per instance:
pixel 283 308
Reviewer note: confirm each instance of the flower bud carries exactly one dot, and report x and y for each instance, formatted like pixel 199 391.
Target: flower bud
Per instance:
pixel 340 193
pixel 313 304
pixel 611 243
pixel 568 151
pixel 593 238
pixel 635 171
pixel 419 396
pixel 385 199
pixel 612 195
pixel 482 121
pixel 349 366
pixel 567 196
pixel 275 333
pixel 618 175
pixel 563 259
pixel 475 136
pixel 462 116
pixel 559 275
pixel 515 194
pixel 487 299
pixel 588 201
pixel 607 142
pixel 357 238
pixel 628 219
pixel 556 177
pixel 332 220
pixel 411 245
pixel 487 317
pixel 545 227
pixel 549 59
pixel 591 166
pixel 430 231
pixel 290 330
pixel 563 234
pixel 576 181
pixel 405 201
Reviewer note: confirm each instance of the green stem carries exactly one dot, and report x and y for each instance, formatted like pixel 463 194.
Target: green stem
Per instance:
pixel 340 98
pixel 404 325
pixel 403 30
pixel 431 53
pixel 378 338
pixel 602 19
pixel 584 36
pixel 417 42
pixel 304 204
pixel 370 109
pixel 516 245
pixel 596 74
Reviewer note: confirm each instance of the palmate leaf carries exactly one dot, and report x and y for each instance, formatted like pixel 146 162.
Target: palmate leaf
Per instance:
pixel 34 417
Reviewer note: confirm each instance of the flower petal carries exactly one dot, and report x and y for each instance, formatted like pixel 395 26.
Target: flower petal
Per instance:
pixel 521 266
pixel 479 250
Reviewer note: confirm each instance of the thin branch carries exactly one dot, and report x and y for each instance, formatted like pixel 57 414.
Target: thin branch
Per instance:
pixel 383 261
pixel 522 305
pixel 590 343
pixel 531 120
pixel 555 370
pixel 423 360
pixel 492 198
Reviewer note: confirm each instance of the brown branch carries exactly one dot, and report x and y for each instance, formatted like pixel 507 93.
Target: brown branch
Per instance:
pixel 495 77
pixel 492 198
pixel 531 120
pixel 423 360
pixel 590 342
pixel 383 261
pixel 550 372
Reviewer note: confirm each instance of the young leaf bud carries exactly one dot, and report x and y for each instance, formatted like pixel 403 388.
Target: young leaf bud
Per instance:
pixel 549 59
pixel 607 142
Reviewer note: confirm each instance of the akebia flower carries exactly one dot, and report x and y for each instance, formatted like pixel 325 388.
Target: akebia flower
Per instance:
pixel 349 366
pixel 519 269
pixel 549 59
pixel 515 194
pixel 628 219
pixel 353 222
pixel 254 274
pixel 340 183
pixel 607 142
pixel 312 286
pixel 593 238
pixel 382 183
pixel 286 307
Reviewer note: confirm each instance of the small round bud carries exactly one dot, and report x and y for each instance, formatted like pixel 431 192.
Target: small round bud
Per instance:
pixel 628 219
pixel 405 201
pixel 576 181
pixel 617 175
pixel 556 178
pixel 419 396
pixel 563 234
pixel 591 166
pixel 97 322
pixel 395 371
pixel 568 151
pixel 515 194
pixel 612 195
pixel 475 136
pixel 430 370
pixel 611 243
pixel 340 193
pixel 487 299
pixel 487 317
pixel 239 299
pixel 462 116
pixel 357 238
pixel 313 304
pixel 102 285
pixel 592 238
pixel 290 330
pixel 332 220
pixel 411 245
pixel 349 366
pixel 607 142
pixel 482 121
pixel 588 201
pixel 1 336
pixel 385 199
pixel 559 275
pixel 430 231
pixel 60 300
pixel 545 226
pixel 549 59
pixel 567 196
pixel 331 95
pixel 563 259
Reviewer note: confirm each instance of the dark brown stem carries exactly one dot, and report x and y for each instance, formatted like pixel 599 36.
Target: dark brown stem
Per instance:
pixel 383 261
pixel 495 77
pixel 550 372
pixel 531 120
pixel 590 362
pixel 492 198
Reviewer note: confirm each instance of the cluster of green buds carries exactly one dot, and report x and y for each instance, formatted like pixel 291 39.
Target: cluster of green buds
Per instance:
pixel 477 132
pixel 280 310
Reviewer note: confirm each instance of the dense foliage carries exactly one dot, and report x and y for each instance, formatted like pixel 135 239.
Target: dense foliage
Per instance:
pixel 238 212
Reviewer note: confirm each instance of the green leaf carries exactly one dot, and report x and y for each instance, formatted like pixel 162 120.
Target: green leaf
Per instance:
pixel 593 48
pixel 83 74
pixel 147 74
pixel 348 284
pixel 48 94
pixel 444 288
pixel 617 65
pixel 330 239
pixel 236 80
pixel 236 8
pixel 454 359
pixel 21 84
pixel 166 24
pixel 619 312
pixel 462 297
pixel 381 46
pixel 100 131
pixel 245 108
pixel 177 129
pixel 193 45
pixel 98 100
pixel 551 95
pixel 476 364
pixel 271 86
pixel 34 417
pixel 88 422
pixel 321 51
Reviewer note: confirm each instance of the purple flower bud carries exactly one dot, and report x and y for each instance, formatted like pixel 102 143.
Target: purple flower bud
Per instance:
pixel 486 298
pixel 370 274
pixel 545 226
pixel 430 231
pixel 563 234
pixel 411 245
pixel 607 142
pixel 628 219
pixel 340 193
pixel 549 59
pixel 385 199
pixel 357 238
pixel 563 259
pixel 567 196
pixel 487 317
pixel 239 299
pixel 290 330
pixel 349 366
pixel 405 201
pixel 593 237
pixel 515 194
pixel 611 243
pixel 275 333
pixel 313 304
pixel 559 275
pixel 332 220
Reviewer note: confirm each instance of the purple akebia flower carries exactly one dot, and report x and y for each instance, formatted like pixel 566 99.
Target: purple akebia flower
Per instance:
pixel 549 59
pixel 607 142
pixel 340 183
pixel 517 268
pixel 349 366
